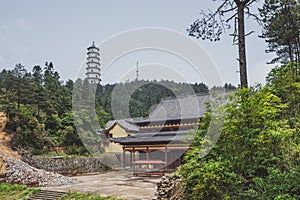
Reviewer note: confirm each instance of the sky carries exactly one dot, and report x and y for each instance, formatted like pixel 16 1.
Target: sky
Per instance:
pixel 152 33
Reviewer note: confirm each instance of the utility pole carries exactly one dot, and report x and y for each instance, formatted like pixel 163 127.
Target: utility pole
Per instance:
pixel 137 71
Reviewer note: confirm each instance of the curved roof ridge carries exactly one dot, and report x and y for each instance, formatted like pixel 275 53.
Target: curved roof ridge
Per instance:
pixel 124 124
pixel 182 96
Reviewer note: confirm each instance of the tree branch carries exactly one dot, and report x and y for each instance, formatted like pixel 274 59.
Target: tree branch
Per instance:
pixel 259 21
pixel 230 18
pixel 235 35
pixel 222 12
pixel 249 33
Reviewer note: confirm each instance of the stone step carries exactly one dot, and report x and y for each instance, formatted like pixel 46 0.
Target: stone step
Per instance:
pixel 47 195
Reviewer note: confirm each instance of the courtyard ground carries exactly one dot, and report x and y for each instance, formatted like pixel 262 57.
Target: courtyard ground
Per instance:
pixel 119 184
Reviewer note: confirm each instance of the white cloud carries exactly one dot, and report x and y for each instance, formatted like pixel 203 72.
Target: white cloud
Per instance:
pixel 23 24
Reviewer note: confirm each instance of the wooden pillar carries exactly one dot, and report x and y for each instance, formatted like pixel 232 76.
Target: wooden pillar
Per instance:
pixel 147 153
pixel 124 163
pixel 133 154
pixel 166 157
pixel 131 159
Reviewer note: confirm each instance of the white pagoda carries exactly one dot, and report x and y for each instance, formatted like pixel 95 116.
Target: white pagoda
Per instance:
pixel 93 64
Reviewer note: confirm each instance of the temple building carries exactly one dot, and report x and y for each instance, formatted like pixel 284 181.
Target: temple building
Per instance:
pixel 157 143
pixel 93 64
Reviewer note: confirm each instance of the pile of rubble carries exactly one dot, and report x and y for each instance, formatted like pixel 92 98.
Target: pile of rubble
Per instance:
pixel 20 172
pixel 14 170
pixel 5 149
pixel 169 188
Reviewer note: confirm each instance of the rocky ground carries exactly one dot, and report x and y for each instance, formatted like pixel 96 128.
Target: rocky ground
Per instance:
pixel 20 172
pixel 5 149
pixel 14 170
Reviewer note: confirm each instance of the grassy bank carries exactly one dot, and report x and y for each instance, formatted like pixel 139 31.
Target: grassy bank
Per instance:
pixel 16 192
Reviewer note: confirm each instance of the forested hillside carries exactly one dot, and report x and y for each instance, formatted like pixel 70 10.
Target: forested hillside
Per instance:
pixel 146 94
pixel 38 105
pixel 258 153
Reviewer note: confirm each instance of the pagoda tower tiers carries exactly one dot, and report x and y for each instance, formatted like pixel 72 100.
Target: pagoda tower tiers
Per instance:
pixel 93 64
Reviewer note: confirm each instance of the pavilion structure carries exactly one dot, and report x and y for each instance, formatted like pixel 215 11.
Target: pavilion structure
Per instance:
pixel 157 143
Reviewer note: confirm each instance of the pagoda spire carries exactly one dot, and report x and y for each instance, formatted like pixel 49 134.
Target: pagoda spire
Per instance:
pixel 93 64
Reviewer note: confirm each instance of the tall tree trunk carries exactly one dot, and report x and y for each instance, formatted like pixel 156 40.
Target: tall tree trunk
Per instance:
pixel 241 45
pixel 297 44
pixel 291 52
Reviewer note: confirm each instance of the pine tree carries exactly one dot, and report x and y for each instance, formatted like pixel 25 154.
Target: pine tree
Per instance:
pixel 281 29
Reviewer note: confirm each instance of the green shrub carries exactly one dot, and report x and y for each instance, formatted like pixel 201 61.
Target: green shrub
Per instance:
pixel 14 192
pixel 257 153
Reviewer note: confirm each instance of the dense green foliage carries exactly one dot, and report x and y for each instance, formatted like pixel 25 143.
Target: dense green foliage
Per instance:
pixel 281 29
pixel 258 153
pixel 143 95
pixel 38 106
pixel 15 192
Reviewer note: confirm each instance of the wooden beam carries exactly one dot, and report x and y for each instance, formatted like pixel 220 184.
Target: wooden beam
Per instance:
pixel 158 147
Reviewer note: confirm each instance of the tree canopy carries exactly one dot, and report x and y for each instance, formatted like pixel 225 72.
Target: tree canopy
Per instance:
pixel 257 154
pixel 281 29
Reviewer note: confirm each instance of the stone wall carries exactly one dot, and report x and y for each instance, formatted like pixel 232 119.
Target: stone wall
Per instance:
pixel 68 165
pixel 169 188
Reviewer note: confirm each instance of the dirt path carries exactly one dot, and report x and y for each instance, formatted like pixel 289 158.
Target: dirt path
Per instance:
pixel 117 184
pixel 5 138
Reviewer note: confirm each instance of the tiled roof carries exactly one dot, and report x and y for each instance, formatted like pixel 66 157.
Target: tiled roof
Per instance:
pixel 155 138
pixel 124 124
pixel 181 108
pixel 190 107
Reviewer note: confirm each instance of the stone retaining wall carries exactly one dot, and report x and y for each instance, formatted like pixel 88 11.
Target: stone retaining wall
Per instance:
pixel 169 188
pixel 68 165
